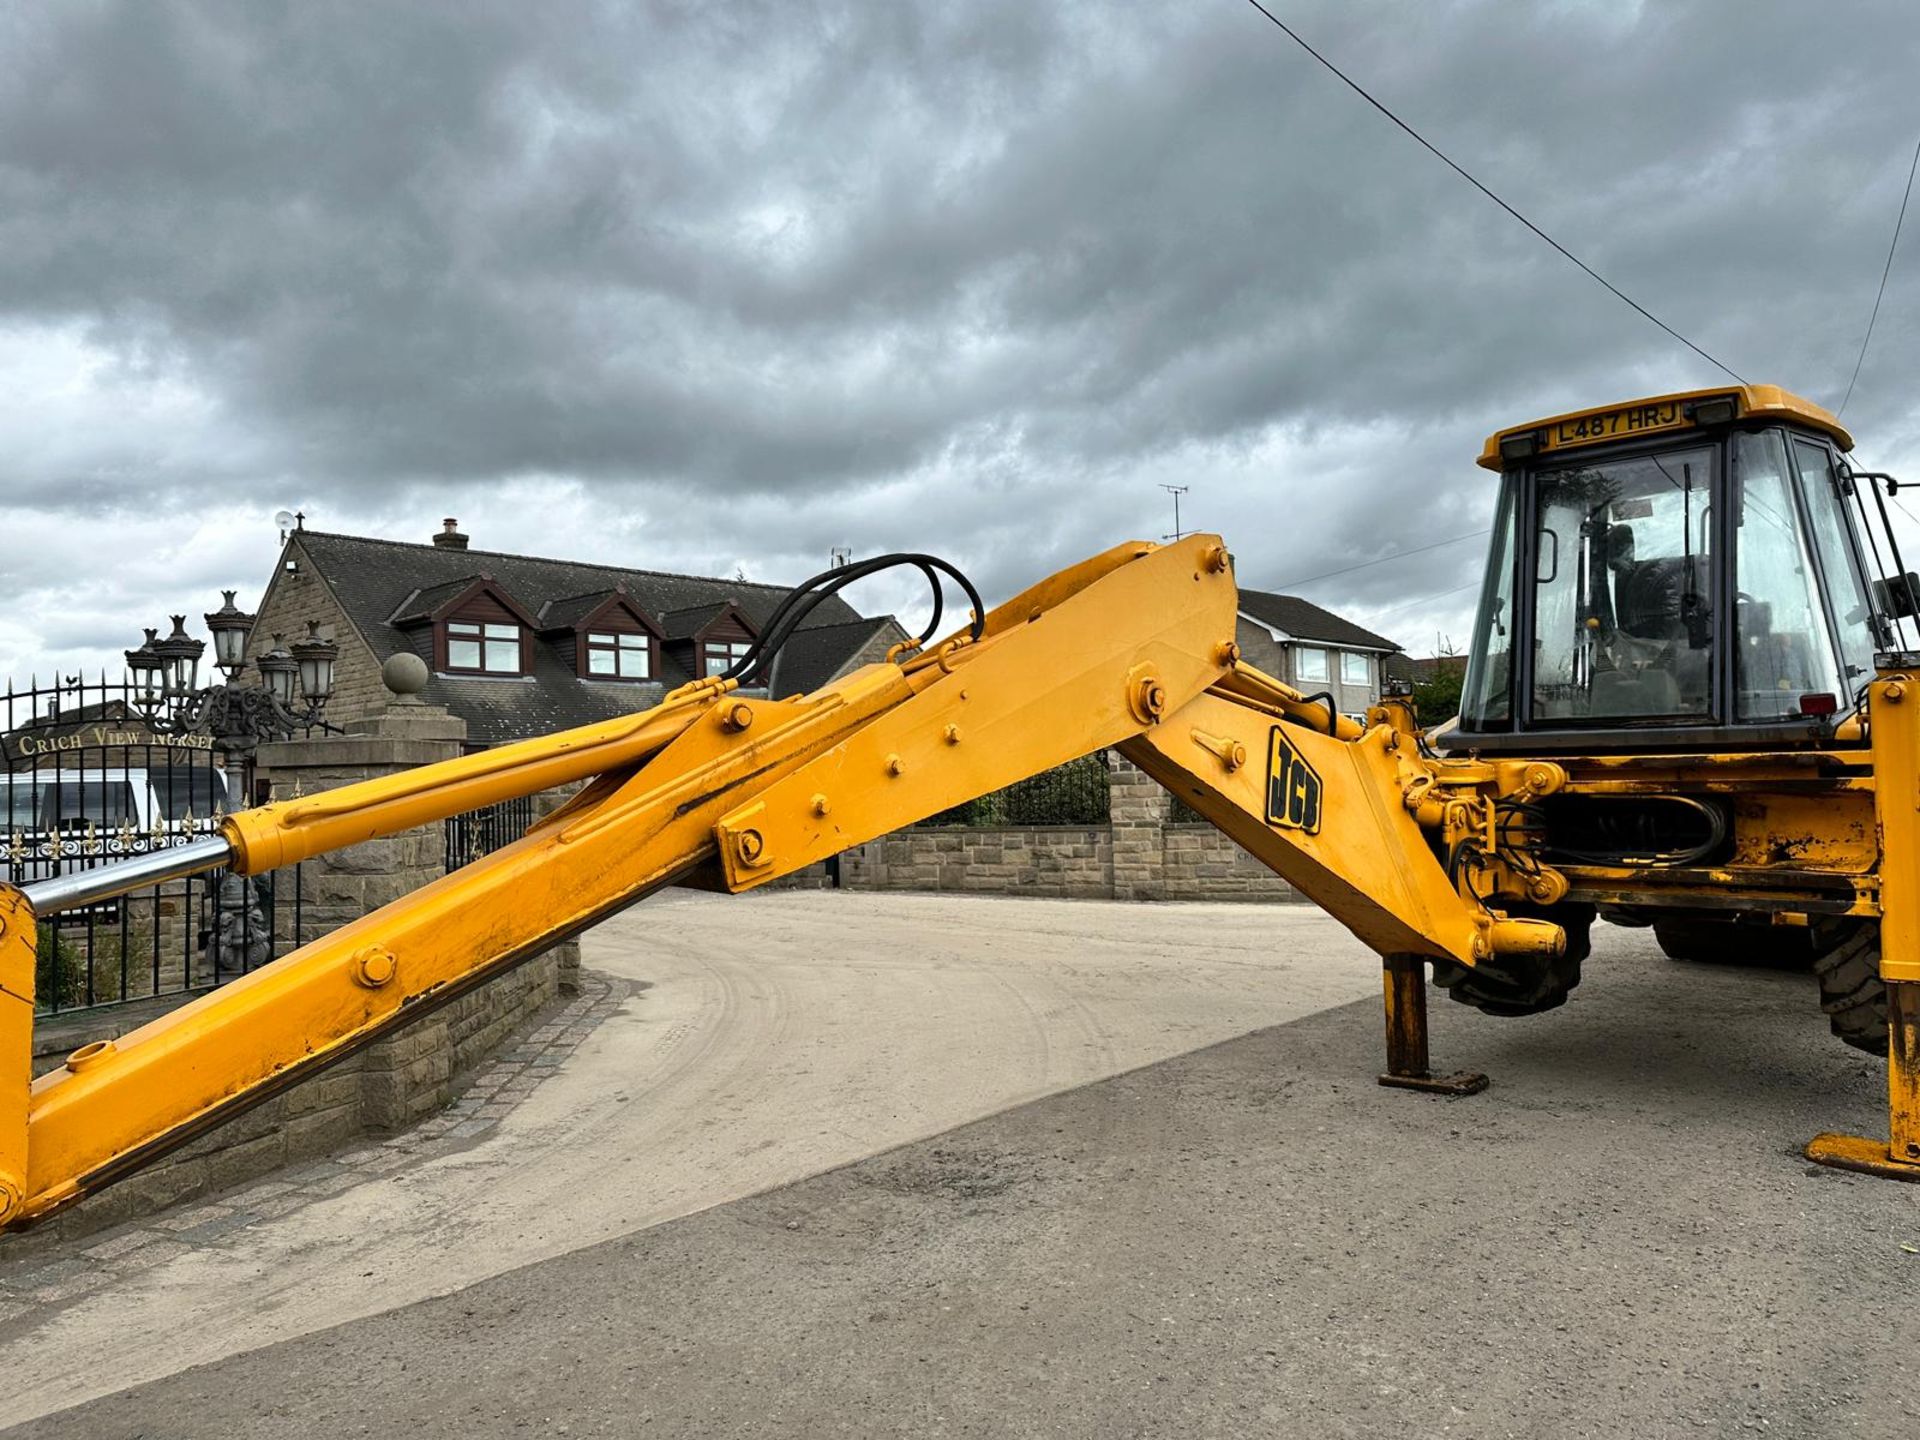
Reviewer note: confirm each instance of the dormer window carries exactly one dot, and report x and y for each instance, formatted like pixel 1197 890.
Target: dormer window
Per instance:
pixel 708 640
pixel 469 626
pixel 603 636
pixel 613 656
pixel 483 647
pixel 719 656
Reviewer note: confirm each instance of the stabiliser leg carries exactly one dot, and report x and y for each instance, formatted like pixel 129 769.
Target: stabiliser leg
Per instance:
pixel 1405 980
pixel 1893 709
pixel 1898 1156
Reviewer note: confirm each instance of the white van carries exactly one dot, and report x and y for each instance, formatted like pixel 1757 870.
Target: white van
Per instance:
pixel 37 806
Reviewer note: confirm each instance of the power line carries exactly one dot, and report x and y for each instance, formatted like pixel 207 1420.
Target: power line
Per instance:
pixel 1397 555
pixel 1441 595
pixel 1464 175
pixel 1885 271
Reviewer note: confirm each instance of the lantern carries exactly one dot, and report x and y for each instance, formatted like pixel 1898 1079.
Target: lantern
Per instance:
pixel 230 626
pixel 315 656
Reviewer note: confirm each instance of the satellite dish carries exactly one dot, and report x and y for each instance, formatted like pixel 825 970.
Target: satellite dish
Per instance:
pixel 285 521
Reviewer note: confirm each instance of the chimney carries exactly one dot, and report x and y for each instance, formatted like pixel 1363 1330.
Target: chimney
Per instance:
pixel 450 537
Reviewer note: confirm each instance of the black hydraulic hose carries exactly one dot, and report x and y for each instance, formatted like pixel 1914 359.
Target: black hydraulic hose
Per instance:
pixel 844 575
pixel 803 598
pixel 1649 856
pixel 1333 713
pixel 800 604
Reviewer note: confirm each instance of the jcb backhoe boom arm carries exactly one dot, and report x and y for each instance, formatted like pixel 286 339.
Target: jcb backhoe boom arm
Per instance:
pixel 1133 648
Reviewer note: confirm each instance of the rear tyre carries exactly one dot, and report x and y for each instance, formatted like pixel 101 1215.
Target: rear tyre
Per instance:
pixel 1851 990
pixel 1524 984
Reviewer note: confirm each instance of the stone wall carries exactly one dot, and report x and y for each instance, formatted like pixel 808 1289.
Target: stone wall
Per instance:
pixel 1199 863
pixel 1142 853
pixel 1040 860
pixel 410 1074
pixel 382 1088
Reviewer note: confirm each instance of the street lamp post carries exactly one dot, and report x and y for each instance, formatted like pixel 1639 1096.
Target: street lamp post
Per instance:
pixel 165 689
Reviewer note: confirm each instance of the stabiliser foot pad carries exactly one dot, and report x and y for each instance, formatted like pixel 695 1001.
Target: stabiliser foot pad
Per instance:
pixel 1461 1082
pixel 1857 1152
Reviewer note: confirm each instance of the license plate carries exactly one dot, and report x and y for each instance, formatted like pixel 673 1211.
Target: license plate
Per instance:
pixel 1627 421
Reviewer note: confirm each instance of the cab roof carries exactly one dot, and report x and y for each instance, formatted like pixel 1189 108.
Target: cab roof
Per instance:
pixel 1660 414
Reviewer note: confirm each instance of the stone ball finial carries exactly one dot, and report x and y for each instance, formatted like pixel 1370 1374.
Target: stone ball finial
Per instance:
pixel 405 676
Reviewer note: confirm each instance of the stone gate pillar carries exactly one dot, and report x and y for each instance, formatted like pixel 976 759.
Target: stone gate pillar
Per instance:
pixel 408 1074
pixel 1137 809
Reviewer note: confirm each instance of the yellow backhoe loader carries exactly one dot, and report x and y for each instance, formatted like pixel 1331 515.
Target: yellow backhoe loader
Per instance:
pixel 1688 705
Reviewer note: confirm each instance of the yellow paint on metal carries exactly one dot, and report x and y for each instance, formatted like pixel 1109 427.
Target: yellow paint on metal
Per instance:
pixel 1045 685
pixel 16 1046
pixel 1132 648
pixel 288 831
pixel 1658 414
pixel 169 1079
pixel 1048 681
pixel 1898 1156
pixel 1893 709
pixel 1365 860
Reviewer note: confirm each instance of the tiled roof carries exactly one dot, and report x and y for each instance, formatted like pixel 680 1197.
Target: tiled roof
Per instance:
pixel 562 614
pixel 375 579
pixel 821 650
pixel 422 603
pixel 1304 620
pixel 685 624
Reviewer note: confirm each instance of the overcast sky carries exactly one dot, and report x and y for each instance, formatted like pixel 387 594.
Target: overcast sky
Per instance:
pixel 697 286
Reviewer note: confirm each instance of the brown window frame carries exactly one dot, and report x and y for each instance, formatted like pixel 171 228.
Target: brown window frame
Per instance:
pixel 616 642
pixel 448 639
pixel 724 653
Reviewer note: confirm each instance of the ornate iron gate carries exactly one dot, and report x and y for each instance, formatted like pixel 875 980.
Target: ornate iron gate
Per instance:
pixel 85 782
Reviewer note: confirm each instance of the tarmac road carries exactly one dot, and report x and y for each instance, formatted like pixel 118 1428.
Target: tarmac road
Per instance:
pixel 1619 1238
pixel 779 1035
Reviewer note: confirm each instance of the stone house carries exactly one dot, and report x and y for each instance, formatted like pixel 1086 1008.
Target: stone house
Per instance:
pixel 518 645
pixel 1312 649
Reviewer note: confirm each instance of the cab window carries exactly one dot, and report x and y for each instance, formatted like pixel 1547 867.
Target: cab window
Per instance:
pixel 1623 589
pixel 1485 698
pixel 1846 587
pixel 1784 648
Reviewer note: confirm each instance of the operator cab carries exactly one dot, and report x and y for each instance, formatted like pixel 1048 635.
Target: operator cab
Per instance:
pixel 1684 571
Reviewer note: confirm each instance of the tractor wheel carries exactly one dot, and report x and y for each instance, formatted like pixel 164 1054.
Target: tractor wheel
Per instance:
pixel 1727 942
pixel 1524 984
pixel 1851 990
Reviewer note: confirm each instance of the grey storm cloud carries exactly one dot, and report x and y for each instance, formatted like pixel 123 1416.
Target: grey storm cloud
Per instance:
pixel 695 285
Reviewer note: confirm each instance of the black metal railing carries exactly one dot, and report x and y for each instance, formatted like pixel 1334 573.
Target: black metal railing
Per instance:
pixel 1181 813
pixel 1072 794
pixel 84 783
pixel 481 832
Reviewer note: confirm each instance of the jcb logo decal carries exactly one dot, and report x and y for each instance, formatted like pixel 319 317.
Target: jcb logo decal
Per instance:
pixel 1293 789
